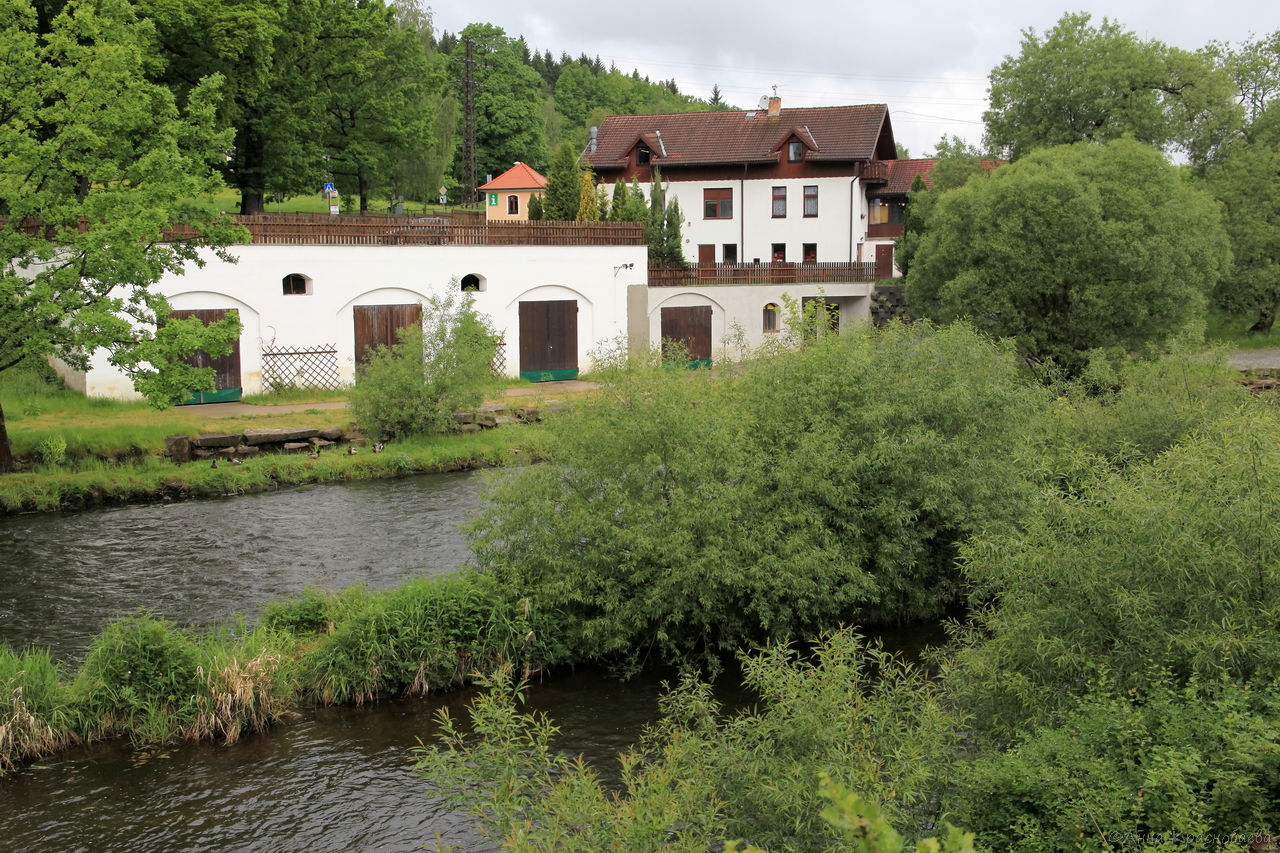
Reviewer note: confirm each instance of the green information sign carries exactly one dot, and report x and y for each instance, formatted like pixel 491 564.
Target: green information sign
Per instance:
pixel 493 199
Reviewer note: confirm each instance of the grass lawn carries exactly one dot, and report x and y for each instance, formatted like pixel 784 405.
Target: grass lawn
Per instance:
pixel 1233 329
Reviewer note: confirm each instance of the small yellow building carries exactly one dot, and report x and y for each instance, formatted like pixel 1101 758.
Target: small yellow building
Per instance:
pixel 507 196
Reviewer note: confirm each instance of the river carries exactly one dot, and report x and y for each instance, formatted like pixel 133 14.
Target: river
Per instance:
pixel 338 779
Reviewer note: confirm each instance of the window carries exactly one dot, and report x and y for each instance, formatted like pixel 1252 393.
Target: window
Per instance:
pixel 771 317
pixel 730 253
pixel 810 253
pixel 811 201
pixel 470 283
pixel 778 253
pixel 779 202
pixel 886 211
pixel 717 203
pixel 296 284
pixel 795 151
pixel 513 205
pixel 642 155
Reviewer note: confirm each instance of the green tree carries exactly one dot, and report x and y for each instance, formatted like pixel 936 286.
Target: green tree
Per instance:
pixel 1081 82
pixel 1244 180
pixel 564 186
pixel 376 111
pixel 588 201
pixel 957 162
pixel 96 169
pixel 508 101
pixel 535 207
pixel 662 226
pixel 1071 249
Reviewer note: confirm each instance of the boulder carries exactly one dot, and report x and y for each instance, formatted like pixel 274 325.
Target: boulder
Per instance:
pixel 178 447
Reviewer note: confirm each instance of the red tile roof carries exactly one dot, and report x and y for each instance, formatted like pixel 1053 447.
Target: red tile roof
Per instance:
pixel 903 172
pixel 518 177
pixel 833 134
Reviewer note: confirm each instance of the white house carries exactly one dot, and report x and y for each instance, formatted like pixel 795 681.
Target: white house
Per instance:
pixel 313 293
pixel 776 202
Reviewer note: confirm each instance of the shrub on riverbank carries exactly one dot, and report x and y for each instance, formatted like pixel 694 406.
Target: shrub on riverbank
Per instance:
pixel 38 715
pixel 688 513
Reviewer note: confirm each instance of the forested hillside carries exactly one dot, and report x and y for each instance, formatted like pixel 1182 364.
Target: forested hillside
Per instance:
pixel 368 95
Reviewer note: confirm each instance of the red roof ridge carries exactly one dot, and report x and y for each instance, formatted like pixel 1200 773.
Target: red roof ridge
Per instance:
pixel 521 176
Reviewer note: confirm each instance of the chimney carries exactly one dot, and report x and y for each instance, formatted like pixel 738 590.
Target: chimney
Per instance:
pixel 775 106
pixel 591 145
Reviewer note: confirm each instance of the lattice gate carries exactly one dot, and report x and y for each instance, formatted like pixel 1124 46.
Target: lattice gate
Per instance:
pixel 307 367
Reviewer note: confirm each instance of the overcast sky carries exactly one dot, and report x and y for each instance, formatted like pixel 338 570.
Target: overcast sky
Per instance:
pixel 928 61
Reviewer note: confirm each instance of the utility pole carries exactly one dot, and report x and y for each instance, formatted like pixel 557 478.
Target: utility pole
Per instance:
pixel 469 121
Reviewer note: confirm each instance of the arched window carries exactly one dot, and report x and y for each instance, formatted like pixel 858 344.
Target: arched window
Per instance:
pixel 471 283
pixel 296 284
pixel 513 205
pixel 771 317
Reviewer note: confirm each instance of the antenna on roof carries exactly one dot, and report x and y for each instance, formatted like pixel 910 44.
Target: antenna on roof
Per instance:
pixel 764 101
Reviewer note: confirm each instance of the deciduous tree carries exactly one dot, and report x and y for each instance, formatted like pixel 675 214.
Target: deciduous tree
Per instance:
pixel 96 167
pixel 1073 248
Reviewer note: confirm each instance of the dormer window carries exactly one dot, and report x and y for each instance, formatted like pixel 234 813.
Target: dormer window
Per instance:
pixel 795 151
pixel 642 155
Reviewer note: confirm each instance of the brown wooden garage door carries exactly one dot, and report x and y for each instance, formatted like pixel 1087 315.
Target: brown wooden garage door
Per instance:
pixel 228 387
pixel 549 340
pixel 691 328
pixel 376 325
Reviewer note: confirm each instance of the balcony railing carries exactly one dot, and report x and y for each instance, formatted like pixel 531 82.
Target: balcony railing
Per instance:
pixel 702 275
pixel 884 229
pixel 321 230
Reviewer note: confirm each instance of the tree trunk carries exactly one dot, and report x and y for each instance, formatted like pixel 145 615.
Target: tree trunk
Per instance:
pixel 6 453
pixel 1266 318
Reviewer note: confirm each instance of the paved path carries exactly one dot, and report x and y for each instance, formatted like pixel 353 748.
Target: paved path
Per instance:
pixel 541 391
pixel 1257 359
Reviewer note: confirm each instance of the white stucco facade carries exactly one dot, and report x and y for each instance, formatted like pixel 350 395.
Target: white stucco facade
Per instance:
pixel 340 278
pixel 836 229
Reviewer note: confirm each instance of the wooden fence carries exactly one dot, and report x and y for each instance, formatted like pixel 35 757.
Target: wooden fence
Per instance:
pixel 384 230
pixel 702 275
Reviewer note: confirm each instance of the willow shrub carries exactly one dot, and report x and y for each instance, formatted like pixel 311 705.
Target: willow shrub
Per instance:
pixel 1196 763
pixel 695 513
pixel 1173 563
pixel 867 721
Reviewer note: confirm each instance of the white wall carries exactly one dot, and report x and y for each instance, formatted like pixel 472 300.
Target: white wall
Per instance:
pixel 838 227
pixel 341 277
pixel 742 306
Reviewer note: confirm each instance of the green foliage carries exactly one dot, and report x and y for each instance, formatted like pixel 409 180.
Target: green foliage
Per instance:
pixel 1085 83
pixel 53 450
pixel 588 203
pixel 1072 249
pixel 850 713
pixel 564 186
pixel 684 513
pixel 1167 766
pixel 429 634
pixel 1244 181
pixel 1167 564
pixel 662 226
pixel 535 208
pixel 141 676
pixel 103 160
pixel 37 713
pixel 415 386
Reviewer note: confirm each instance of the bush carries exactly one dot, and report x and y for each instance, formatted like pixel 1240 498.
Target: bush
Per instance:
pixel 415 386
pixel 1165 762
pixel 37 713
pixel 687 513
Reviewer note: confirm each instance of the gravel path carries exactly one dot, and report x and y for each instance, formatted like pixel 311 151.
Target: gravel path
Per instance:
pixel 1257 359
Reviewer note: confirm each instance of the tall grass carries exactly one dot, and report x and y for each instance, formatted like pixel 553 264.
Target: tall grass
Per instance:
pixel 152 682
pixel 1233 329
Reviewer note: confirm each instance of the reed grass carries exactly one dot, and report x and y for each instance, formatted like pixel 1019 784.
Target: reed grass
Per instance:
pixel 155 683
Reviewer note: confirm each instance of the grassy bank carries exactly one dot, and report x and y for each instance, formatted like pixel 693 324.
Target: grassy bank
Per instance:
pixel 75 452
pixel 156 683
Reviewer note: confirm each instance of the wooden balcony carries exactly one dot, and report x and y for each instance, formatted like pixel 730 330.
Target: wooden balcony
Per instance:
pixel 885 229
pixel 704 275
pixel 874 172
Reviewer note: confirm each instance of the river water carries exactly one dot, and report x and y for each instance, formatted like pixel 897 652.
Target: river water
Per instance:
pixel 339 779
